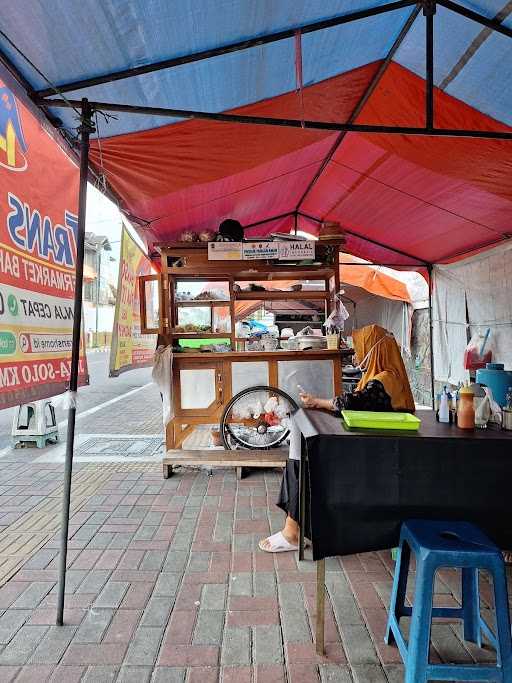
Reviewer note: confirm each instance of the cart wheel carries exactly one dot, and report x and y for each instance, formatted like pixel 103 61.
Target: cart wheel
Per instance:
pixel 240 428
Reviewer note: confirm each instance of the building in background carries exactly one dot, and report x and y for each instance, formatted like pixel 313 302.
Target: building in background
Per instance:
pixel 100 283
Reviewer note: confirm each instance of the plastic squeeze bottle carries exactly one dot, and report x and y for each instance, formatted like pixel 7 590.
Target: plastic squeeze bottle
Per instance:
pixel 444 408
pixel 466 411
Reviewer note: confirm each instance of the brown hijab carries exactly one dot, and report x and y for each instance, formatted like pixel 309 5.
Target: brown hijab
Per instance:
pixel 378 351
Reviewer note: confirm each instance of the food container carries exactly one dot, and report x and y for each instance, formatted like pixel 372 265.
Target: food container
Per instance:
pixel 311 341
pixel 254 345
pixel 333 341
pixel 507 419
pixel 269 343
pixel 497 379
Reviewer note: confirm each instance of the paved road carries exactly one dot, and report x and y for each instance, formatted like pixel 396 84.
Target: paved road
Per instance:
pixel 102 388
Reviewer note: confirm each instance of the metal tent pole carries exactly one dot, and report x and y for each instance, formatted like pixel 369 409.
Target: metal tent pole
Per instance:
pixel 431 334
pixel 429 9
pixel 287 123
pixel 227 49
pixel 86 127
pixel 362 102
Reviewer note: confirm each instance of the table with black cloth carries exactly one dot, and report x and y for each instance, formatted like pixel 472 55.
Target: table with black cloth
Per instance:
pixel 357 487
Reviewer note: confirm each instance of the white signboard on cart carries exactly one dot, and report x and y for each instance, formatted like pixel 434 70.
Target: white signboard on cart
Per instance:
pixel 300 250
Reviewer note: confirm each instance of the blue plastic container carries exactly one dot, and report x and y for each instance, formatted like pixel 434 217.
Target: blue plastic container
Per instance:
pixel 497 379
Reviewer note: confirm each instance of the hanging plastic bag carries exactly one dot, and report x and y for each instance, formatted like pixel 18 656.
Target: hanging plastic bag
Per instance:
pixel 478 352
pixel 336 321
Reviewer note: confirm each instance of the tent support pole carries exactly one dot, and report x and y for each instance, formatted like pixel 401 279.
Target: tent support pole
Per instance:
pixel 429 9
pixel 494 24
pixel 362 102
pixel 228 49
pixel 268 220
pixel 431 334
pixel 286 123
pixel 311 218
pixel 86 127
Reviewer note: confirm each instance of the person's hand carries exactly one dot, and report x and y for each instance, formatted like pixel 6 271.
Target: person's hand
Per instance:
pixel 308 400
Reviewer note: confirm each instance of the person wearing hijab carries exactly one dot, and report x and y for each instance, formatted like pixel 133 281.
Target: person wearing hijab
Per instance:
pixel 384 387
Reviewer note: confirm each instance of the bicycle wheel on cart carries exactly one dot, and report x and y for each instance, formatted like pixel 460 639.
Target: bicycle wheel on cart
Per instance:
pixel 257 418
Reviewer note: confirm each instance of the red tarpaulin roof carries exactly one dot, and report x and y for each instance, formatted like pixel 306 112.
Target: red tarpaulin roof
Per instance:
pixel 404 200
pixel 430 198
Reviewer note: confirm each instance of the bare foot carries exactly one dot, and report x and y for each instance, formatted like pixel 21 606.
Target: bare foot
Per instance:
pixel 507 556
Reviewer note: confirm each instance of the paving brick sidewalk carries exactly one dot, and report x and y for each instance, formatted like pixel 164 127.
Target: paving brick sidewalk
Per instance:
pixel 165 583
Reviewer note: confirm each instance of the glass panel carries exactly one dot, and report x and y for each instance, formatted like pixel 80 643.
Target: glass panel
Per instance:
pixel 187 290
pixel 315 376
pixel 197 388
pixel 196 316
pixel 221 319
pixel 246 375
pixel 280 313
pixel 152 304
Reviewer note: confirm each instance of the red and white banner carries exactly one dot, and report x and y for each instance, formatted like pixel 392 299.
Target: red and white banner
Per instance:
pixel 38 224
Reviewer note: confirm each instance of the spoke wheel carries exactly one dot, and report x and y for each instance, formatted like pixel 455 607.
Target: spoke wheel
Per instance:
pixel 246 424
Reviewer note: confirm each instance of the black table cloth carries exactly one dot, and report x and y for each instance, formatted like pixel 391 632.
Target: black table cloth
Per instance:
pixel 361 485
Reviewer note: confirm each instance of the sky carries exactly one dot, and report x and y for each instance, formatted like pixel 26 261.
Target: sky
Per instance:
pixel 104 218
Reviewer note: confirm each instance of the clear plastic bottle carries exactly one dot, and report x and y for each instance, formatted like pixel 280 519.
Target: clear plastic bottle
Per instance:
pixel 444 408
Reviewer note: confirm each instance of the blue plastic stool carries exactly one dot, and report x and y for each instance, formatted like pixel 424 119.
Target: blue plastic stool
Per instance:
pixel 448 544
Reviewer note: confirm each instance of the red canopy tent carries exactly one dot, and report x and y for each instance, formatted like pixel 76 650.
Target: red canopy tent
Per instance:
pixel 390 117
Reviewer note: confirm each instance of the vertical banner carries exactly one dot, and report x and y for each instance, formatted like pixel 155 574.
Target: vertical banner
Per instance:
pixel 38 223
pixel 130 349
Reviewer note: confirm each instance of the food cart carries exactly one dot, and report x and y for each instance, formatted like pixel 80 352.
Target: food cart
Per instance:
pixel 204 379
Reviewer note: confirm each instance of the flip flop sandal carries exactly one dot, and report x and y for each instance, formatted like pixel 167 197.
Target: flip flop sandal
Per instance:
pixel 278 544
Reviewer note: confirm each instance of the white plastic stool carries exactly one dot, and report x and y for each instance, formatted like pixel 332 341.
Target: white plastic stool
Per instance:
pixel 35 422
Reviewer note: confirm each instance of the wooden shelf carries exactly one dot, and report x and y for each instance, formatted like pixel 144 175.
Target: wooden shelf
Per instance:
pixel 201 335
pixel 302 295
pixel 249 271
pixel 203 302
pixel 275 457
pixel 283 272
pixel 279 354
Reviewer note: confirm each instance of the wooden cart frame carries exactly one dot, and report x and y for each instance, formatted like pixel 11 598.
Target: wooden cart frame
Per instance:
pixel 183 262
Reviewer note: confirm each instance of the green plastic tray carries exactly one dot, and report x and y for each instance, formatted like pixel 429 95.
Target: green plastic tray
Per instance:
pixel 363 419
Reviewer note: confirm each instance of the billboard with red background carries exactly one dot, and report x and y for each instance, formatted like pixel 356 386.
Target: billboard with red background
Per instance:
pixel 38 224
